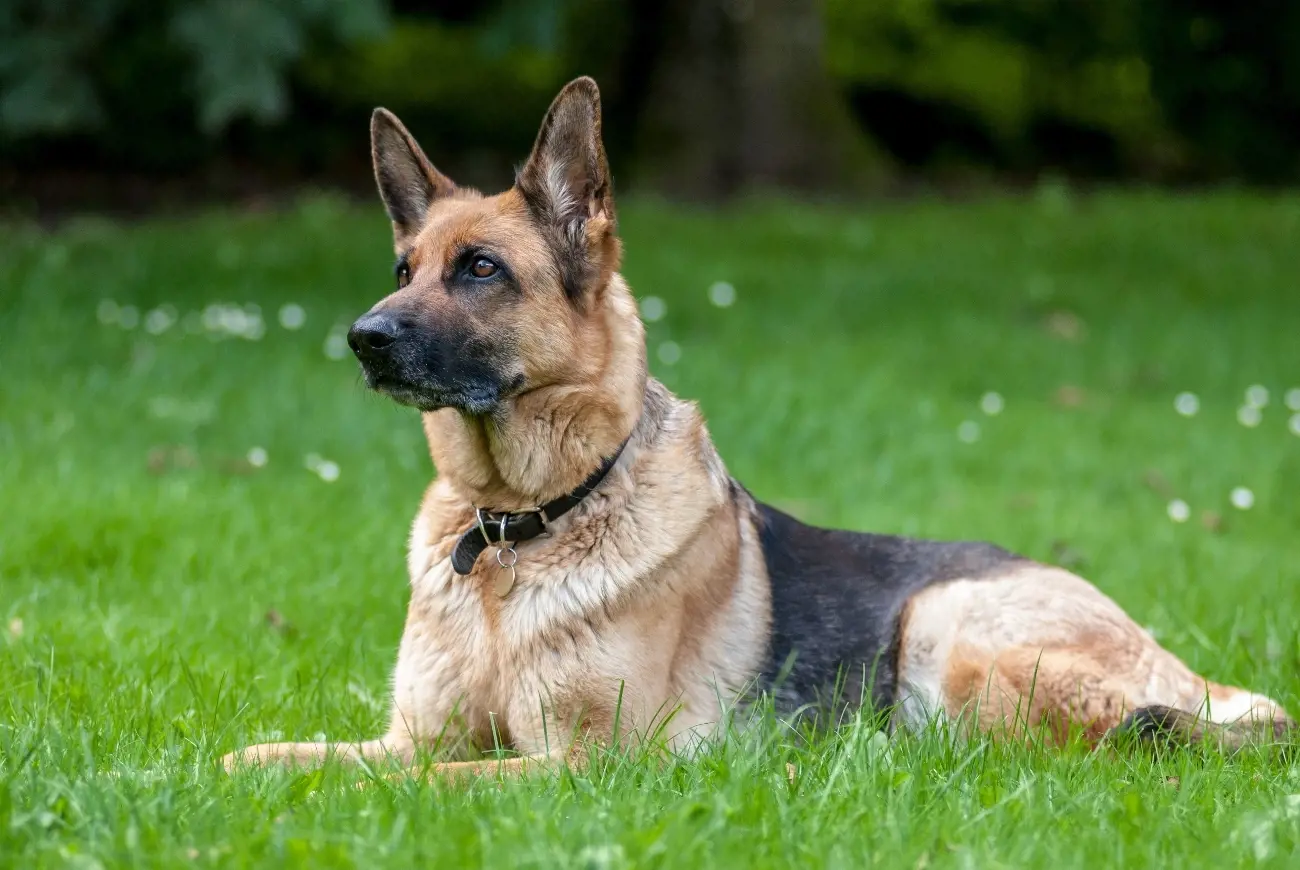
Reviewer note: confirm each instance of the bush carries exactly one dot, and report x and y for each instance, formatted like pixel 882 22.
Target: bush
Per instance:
pixel 1160 88
pixel 1228 79
pixel 128 72
pixel 1016 83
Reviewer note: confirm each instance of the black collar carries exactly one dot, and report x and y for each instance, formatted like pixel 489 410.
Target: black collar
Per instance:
pixel 517 526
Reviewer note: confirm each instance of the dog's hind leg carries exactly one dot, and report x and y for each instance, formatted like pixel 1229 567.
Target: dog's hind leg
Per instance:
pixel 1051 691
pixel 1042 647
pixel 1030 690
pixel 1226 716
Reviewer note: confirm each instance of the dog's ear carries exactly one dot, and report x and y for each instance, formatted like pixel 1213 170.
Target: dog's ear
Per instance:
pixel 407 181
pixel 566 179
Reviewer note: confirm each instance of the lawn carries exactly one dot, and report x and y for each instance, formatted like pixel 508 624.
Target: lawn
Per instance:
pixel 203 516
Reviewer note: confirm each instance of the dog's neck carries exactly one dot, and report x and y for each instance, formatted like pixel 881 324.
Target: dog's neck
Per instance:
pixel 545 442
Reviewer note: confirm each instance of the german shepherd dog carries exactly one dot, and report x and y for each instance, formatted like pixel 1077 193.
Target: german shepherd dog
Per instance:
pixel 584 564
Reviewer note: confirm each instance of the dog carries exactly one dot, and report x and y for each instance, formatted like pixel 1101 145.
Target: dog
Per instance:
pixel 583 564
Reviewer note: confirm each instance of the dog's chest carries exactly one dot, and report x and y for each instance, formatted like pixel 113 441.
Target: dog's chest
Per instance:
pixel 494 656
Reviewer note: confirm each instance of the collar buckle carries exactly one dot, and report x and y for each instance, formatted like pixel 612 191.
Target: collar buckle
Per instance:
pixel 502 523
pixel 493 529
pixel 541 518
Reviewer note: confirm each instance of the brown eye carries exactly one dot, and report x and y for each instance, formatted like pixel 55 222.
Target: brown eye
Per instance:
pixel 403 274
pixel 483 268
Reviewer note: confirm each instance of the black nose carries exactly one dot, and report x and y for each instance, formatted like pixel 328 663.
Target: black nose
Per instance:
pixel 373 333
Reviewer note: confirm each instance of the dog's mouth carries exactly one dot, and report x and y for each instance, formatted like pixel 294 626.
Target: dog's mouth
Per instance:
pixel 475 399
pixel 407 394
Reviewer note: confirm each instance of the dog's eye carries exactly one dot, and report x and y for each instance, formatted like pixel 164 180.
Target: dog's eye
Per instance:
pixel 403 274
pixel 482 267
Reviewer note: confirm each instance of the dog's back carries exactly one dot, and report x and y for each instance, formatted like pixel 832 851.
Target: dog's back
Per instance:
pixel 837 602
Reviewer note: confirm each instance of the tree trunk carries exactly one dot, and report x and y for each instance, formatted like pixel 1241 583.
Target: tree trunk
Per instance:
pixel 740 100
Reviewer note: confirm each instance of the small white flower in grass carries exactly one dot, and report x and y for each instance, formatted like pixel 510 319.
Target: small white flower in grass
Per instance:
pixel 1293 398
pixel 233 320
pixel 106 312
pixel 1294 425
pixel 128 317
pixel 326 469
pixel 991 404
pixel 1242 499
pixel 1187 404
pixel 257 457
pixel 292 316
pixel 1179 511
pixel 653 309
pixel 254 327
pixel 1257 396
pixel 212 317
pixel 669 353
pixel 1249 416
pixel 968 432
pixel 722 294
pixel 336 346
pixel 159 320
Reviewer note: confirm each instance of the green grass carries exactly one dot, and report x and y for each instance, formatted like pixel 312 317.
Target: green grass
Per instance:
pixel 140 556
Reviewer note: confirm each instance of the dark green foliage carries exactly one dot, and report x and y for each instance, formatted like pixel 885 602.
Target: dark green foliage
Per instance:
pixel 151 83
pixel 1160 90
pixel 1228 80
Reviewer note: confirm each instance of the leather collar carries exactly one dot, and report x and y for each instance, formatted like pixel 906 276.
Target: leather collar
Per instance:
pixel 512 527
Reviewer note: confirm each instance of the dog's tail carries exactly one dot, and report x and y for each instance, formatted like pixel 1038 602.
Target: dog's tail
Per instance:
pixel 1170 726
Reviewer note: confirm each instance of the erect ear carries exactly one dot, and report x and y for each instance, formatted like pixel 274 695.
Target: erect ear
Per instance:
pixel 566 180
pixel 407 181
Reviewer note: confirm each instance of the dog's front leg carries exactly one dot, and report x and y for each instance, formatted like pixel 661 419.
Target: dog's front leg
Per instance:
pixel 398 749
pixel 505 768
pixel 427 693
pixel 534 738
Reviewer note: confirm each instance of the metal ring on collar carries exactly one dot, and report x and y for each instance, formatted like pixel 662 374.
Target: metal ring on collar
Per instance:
pixel 482 527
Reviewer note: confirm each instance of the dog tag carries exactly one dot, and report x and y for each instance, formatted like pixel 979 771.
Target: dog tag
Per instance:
pixel 505 579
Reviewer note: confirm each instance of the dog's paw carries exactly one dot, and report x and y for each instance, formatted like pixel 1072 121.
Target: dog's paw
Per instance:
pixel 256 756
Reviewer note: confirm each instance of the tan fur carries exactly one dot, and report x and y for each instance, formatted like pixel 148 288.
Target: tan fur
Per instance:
pixel 649 606
pixel 1041 649
pixel 652 588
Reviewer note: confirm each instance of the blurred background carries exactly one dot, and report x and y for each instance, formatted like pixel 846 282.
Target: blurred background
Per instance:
pixel 125 105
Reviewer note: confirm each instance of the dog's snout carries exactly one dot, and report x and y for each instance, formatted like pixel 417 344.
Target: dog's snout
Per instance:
pixel 373 333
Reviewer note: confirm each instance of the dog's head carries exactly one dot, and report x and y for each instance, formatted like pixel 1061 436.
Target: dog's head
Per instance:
pixel 495 294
